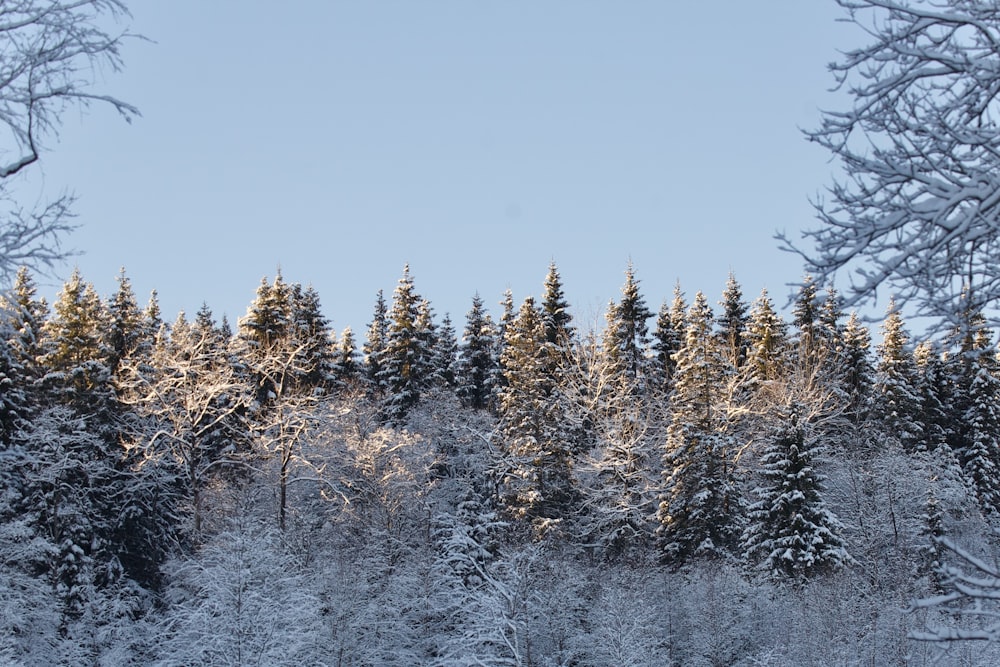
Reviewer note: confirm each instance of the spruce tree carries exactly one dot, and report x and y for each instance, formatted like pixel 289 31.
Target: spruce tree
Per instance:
pixel 980 386
pixel 895 393
pixel 767 345
pixel 733 323
pixel 346 363
pixel 26 315
pixel 375 345
pixel 404 356
pixel 312 337
pixel 806 317
pixel 75 355
pixel 444 356
pixel 477 363
pixel 426 371
pixel 934 390
pixel 790 530
pixel 555 311
pixel 536 480
pixel 626 337
pixel 698 510
pixel 125 323
pixel 668 336
pixel 14 400
pixel 857 376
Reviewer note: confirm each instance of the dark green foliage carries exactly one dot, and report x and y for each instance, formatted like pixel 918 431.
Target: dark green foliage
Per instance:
pixel 767 344
pixel 477 363
pixel 698 510
pixel 791 532
pixel 404 356
pixel 857 373
pixel 668 336
pixel 733 323
pixel 555 310
pixel 346 363
pixel 895 393
pixel 626 336
pixel 536 480
pixel 375 345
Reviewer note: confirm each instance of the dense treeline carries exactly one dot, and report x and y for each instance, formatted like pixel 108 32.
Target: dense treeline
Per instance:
pixel 518 492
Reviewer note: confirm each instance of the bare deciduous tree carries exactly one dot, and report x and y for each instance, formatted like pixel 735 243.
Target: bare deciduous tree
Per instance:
pixel 918 212
pixel 51 54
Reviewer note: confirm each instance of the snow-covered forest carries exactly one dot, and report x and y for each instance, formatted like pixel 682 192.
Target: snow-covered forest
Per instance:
pixel 712 484
pixel 725 481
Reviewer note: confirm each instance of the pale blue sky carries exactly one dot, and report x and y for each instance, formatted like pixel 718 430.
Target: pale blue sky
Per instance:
pixel 475 140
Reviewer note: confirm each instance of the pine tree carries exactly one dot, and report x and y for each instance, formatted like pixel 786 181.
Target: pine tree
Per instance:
pixel 477 363
pixel 698 510
pixel 790 531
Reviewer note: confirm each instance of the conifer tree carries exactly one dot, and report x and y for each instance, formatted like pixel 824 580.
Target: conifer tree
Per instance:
pixel 934 390
pixel 14 402
pixel 27 316
pixel 816 342
pixel 980 435
pixel 698 510
pixel 267 325
pixel 507 315
pixel 805 315
pixel 346 364
pixel 444 355
pixel 857 376
pixel 668 336
pixel 536 481
pixel 477 364
pixel 404 356
pixel 895 392
pixel 733 323
pixel 313 341
pixel 555 311
pixel 790 530
pixel 626 336
pixel 375 345
pixel 269 315
pixel 75 355
pixel 125 322
pixel 21 321
pixel 767 344
pixel 427 338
